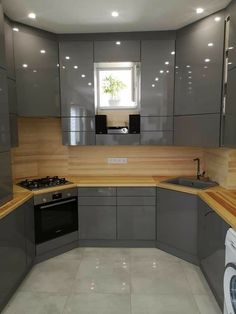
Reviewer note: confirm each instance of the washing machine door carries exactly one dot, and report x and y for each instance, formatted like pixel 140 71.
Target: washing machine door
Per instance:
pixel 230 288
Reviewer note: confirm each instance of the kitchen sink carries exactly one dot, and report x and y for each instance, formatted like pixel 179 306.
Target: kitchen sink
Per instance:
pixel 193 183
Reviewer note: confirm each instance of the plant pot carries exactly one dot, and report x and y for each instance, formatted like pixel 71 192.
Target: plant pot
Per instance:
pixel 114 102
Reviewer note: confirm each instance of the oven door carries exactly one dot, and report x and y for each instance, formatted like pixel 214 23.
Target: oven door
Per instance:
pixel 55 219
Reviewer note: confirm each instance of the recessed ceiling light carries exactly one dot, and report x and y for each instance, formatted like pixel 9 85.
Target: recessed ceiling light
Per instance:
pixel 210 44
pixel 114 14
pixel 161 71
pixel 167 62
pixel 58 65
pixel 89 84
pixel 156 79
pixel 229 63
pixel 32 15
pixel 153 85
pixel 167 71
pixel 25 65
pixel 63 67
pixel 42 51
pixel 199 10
pixel 188 66
pixel 190 77
pixel 207 60
pixel 176 67
pixel 35 71
pixel 189 72
pixel 231 48
pixel 173 52
pixel 205 67
pixel 76 67
pixel 67 58
pixel 83 75
pixel 217 18
pixel 15 29
pixel 118 43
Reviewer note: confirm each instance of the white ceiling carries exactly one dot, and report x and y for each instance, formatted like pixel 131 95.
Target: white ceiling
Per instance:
pixel 93 16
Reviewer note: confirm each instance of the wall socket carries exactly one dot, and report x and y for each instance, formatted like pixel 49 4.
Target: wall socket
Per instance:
pixel 117 160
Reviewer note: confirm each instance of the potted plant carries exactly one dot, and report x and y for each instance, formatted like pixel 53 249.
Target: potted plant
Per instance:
pixel 113 87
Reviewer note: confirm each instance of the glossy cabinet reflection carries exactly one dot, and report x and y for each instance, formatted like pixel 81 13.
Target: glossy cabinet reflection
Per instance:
pixel 9 48
pixel 199 67
pixel 2 40
pixel 37 73
pixel 4 113
pixel 211 248
pixel 6 185
pixel 12 102
pixel 117 51
pixel 231 12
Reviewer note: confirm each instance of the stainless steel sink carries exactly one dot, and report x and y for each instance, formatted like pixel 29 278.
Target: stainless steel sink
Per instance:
pixel 193 183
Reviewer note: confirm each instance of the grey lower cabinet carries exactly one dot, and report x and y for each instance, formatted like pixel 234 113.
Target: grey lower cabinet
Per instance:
pixel 211 248
pixel 16 249
pixel 37 73
pixel 177 223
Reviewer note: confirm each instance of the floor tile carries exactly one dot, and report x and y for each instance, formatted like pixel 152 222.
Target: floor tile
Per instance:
pixel 98 304
pixel 207 304
pixel 55 275
pixel 100 275
pixel 163 304
pixel 150 277
pixel 76 254
pixel 36 303
pixel 113 254
pixel 145 254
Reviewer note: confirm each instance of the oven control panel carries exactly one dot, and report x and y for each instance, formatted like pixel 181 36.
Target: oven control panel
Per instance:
pixel 54 196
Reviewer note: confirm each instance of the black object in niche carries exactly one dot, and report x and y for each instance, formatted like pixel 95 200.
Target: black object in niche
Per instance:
pixel 134 124
pixel 101 124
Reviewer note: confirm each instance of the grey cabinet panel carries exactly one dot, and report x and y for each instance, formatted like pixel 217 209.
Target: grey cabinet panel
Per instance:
pixel 12 252
pixel 37 74
pixel 157 138
pixel 97 222
pixel 230 111
pixel 134 200
pixel 177 220
pixel 109 51
pixel 12 97
pixel 157 84
pixel 197 130
pixel 198 84
pixel 231 11
pixel 29 232
pixel 136 191
pixel 76 78
pixel 78 124
pixel 78 138
pixel 156 123
pixel 4 113
pixel 211 248
pixel 2 40
pixel 5 178
pixel 14 130
pixel 117 139
pixel 96 191
pixel 97 201
pixel 136 222
pixel 9 48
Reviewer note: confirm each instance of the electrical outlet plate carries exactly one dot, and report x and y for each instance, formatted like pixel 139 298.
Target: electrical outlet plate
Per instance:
pixel 115 160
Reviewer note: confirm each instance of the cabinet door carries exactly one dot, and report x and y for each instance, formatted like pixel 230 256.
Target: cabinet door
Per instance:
pixel 77 77
pixel 231 11
pixel 12 252
pixel 29 232
pixel 197 130
pixel 5 178
pixel 211 248
pixel 199 67
pixel 157 71
pixel 4 113
pixel 12 102
pixel 9 48
pixel 111 51
pixel 37 74
pixel 97 222
pixel 2 40
pixel 136 222
pixel 177 221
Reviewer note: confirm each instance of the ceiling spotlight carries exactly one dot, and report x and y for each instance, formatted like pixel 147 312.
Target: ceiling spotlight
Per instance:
pixel 114 14
pixel 76 67
pixel 15 29
pixel 161 71
pixel 67 58
pixel 83 75
pixel 153 85
pixel 32 15
pixel 173 52
pixel 167 62
pixel 231 48
pixel 89 84
pixel 210 44
pixel 217 18
pixel 42 51
pixel 25 65
pixel 35 71
pixel 118 43
pixel 156 79
pixel 207 60
pixel 188 66
pixel 199 10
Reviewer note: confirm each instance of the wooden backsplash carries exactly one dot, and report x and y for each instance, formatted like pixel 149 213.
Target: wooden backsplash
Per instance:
pixel 41 153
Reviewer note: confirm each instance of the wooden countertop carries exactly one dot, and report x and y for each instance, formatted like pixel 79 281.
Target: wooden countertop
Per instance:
pixel 219 199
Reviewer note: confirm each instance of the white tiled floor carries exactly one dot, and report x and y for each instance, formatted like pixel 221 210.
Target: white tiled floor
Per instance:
pixel 114 281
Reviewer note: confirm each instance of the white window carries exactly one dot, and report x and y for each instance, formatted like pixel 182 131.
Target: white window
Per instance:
pixel 117 85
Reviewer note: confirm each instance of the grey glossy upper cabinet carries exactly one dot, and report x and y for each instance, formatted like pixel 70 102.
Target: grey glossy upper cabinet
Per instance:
pixel 157 72
pixel 9 48
pixel 4 113
pixel 199 66
pixel 37 74
pixel 231 12
pixel 77 78
pixel 2 40
pixel 117 51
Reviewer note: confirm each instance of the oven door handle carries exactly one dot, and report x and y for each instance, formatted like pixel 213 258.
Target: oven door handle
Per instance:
pixel 58 203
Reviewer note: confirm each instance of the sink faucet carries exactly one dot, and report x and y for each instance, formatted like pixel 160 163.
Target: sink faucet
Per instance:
pixel 198 167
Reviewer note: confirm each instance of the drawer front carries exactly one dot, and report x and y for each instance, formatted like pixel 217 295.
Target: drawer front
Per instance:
pixel 97 191
pixel 94 201
pixel 136 191
pixel 134 200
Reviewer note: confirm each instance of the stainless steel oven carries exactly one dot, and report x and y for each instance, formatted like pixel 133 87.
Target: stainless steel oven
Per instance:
pixel 56 214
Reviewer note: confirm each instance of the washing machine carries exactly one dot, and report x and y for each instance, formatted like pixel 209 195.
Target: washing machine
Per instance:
pixel 230 273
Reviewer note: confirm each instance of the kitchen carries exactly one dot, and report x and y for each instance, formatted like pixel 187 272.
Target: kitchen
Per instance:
pixel 117 157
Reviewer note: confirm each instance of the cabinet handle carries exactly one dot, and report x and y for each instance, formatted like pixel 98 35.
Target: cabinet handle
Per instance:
pixel 209 212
